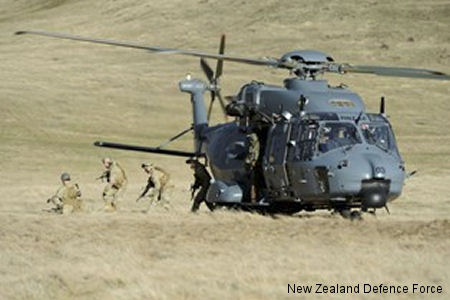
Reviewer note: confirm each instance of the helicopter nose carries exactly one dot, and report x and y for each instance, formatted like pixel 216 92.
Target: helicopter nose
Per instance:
pixel 377 166
pixel 375 189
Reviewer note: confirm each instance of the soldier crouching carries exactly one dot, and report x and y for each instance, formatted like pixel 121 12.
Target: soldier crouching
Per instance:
pixel 67 197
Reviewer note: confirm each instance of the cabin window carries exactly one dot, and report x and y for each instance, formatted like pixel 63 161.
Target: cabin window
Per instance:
pixel 249 96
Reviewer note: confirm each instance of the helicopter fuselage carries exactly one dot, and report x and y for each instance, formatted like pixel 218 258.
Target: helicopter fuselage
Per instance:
pixel 328 154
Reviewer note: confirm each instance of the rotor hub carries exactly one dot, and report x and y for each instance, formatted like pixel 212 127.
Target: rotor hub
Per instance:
pixel 306 64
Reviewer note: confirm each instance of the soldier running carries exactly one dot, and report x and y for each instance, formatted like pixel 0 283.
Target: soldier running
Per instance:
pixel 156 183
pixel 116 178
pixel 68 195
pixel 202 182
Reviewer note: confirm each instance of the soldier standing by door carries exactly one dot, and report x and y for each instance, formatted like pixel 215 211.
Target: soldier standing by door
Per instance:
pixel 251 162
pixel 202 182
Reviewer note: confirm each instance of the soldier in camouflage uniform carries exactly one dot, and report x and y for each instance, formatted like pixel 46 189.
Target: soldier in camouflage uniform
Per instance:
pixel 251 162
pixel 202 182
pixel 116 178
pixel 67 197
pixel 157 182
pixel 253 150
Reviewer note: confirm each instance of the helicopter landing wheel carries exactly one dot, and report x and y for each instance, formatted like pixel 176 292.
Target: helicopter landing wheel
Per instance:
pixel 347 213
pixel 356 215
pixel 211 206
pixel 372 212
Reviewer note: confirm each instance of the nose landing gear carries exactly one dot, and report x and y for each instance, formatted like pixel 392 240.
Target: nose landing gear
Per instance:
pixel 347 213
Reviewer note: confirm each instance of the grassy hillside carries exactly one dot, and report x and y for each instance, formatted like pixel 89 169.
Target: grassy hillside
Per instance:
pixel 57 97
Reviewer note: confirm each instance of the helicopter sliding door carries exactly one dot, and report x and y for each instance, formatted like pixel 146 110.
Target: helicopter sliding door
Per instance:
pixel 274 162
pixel 306 179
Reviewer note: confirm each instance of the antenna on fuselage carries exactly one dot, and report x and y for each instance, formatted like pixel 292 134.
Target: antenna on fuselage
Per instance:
pixel 302 102
pixel 358 118
pixel 382 106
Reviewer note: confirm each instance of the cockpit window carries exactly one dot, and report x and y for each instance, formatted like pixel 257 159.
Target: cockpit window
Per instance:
pixel 379 135
pixel 336 135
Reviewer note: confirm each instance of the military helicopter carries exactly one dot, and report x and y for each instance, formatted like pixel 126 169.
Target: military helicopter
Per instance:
pixel 318 147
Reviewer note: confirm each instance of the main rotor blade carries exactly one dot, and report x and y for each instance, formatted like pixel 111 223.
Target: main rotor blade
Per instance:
pixel 207 70
pixel 219 67
pixel 393 71
pixel 97 41
pixel 238 59
pixel 146 149
pixel 345 68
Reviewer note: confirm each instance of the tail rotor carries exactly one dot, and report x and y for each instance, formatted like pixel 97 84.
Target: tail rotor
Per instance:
pixel 214 79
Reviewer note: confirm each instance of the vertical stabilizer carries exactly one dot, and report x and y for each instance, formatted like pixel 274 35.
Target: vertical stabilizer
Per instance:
pixel 196 88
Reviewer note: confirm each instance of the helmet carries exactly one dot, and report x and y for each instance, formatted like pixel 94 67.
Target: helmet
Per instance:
pixel 146 165
pixel 65 176
pixel 106 160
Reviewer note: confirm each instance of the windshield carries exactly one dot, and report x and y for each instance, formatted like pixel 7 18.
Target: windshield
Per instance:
pixel 336 135
pixel 379 135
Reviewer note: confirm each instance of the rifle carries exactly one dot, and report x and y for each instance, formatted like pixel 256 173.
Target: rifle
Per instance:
pixel 144 190
pixel 140 195
pixel 53 210
pixel 55 200
pixel 105 175
pixel 193 189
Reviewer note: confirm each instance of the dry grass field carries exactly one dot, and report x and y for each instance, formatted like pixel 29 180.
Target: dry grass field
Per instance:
pixel 57 97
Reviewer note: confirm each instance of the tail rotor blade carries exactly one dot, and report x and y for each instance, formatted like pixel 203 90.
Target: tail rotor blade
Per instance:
pixel 214 78
pixel 222 104
pixel 219 67
pixel 210 75
pixel 219 71
pixel 211 105
pixel 207 70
